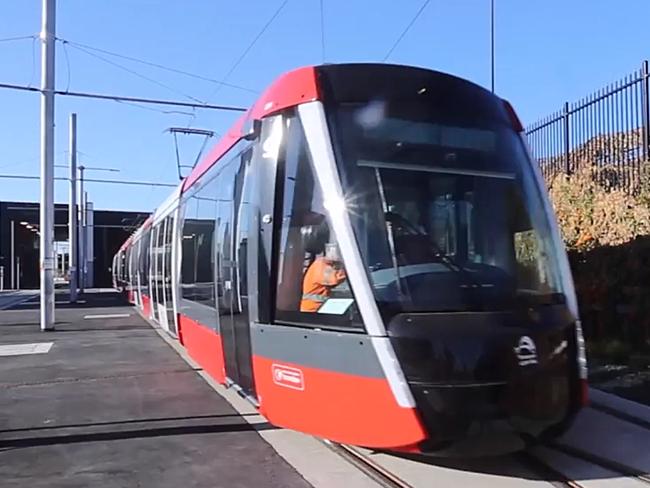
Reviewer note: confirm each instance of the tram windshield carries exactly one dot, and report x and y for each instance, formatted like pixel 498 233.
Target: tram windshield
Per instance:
pixel 446 211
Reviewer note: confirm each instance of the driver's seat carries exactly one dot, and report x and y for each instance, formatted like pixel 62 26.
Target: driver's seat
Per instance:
pixel 411 246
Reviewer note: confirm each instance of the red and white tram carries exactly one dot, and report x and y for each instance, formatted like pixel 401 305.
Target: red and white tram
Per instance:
pixel 455 329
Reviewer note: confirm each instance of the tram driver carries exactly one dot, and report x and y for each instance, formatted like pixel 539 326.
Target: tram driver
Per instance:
pixel 325 271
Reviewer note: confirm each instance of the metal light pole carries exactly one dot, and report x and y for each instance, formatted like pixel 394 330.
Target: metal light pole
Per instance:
pixel 47 165
pixel 82 232
pixel 13 256
pixel 83 238
pixel 90 244
pixel 72 211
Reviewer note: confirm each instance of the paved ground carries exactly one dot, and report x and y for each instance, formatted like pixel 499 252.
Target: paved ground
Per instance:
pixel 112 405
pixel 11 298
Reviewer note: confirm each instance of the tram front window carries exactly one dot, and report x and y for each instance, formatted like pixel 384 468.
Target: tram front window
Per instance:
pixel 448 216
pixel 312 286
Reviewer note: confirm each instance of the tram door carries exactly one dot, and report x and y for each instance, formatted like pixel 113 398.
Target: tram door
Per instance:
pixel 160 274
pixel 151 272
pixel 167 274
pixel 235 318
pixel 137 253
pixel 155 288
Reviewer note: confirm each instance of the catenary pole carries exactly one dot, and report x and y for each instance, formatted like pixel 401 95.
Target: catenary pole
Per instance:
pixel 48 34
pixel 72 211
pixel 82 233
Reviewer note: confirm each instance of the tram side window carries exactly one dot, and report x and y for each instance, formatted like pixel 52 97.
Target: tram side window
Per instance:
pixel 312 283
pixel 243 188
pixel 159 253
pixel 197 266
pixel 144 261
pixel 531 258
pixel 224 237
pixel 205 244
pixel 135 255
pixel 127 258
pixel 188 243
pixel 167 247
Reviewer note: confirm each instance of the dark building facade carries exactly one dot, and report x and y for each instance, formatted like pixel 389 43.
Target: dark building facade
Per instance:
pixel 19 239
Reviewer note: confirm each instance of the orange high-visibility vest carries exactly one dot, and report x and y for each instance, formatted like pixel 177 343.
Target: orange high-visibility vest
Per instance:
pixel 319 279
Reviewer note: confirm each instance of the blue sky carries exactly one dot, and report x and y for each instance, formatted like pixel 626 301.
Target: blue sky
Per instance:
pixel 548 51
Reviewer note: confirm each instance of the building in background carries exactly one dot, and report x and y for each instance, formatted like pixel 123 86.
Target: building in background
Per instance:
pixel 19 243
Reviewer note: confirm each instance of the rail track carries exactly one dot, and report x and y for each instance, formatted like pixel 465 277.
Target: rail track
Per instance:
pixel 543 468
pixel 374 470
pixel 632 419
pixel 605 463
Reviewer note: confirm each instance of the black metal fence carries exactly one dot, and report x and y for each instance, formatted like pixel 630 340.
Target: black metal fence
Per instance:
pixel 607 131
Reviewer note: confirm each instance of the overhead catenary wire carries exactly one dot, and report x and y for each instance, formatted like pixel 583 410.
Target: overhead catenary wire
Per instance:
pixel 34 38
pixel 249 47
pixel 94 180
pixel 157 110
pixel 139 75
pixel 136 183
pixel 18 38
pixel 67 65
pixel 119 98
pixel 156 65
pixel 406 29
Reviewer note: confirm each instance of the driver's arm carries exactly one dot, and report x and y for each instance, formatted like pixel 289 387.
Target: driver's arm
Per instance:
pixel 332 276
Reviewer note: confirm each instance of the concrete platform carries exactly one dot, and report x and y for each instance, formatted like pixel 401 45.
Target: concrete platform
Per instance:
pixel 110 404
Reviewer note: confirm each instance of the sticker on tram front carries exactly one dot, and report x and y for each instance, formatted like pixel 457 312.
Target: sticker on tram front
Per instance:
pixel 288 377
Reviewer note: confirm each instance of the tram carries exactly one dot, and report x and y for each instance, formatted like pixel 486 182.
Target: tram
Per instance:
pixel 369 256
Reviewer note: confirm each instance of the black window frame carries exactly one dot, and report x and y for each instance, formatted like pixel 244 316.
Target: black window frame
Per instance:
pixel 351 321
pixel 191 206
pixel 215 178
pixel 144 261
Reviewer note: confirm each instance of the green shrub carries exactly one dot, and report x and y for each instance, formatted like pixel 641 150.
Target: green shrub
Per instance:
pixel 644 185
pixel 590 215
pixel 607 234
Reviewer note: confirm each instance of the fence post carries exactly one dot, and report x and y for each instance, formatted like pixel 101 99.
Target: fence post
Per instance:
pixel 645 106
pixel 565 117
